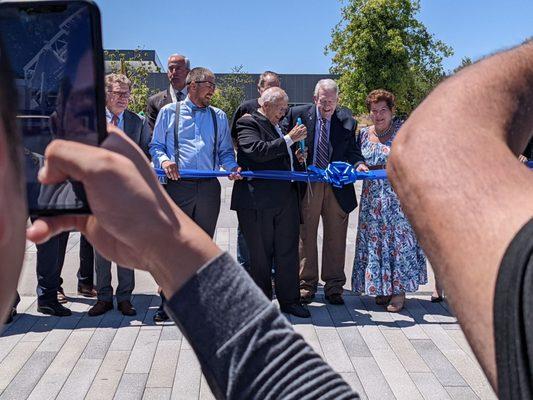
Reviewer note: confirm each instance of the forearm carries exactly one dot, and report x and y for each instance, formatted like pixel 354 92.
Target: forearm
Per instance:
pixel 459 204
pixel 180 251
pixel 245 346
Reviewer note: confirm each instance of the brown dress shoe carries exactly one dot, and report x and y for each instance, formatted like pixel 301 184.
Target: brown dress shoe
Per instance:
pixel 61 298
pixel 101 307
pixel 86 290
pixel 126 308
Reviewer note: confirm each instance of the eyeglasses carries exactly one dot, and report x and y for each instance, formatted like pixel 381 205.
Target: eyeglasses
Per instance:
pixel 210 84
pixel 380 111
pixel 124 95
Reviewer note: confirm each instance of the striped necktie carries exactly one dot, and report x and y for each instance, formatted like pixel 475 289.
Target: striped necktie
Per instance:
pixel 114 120
pixel 322 152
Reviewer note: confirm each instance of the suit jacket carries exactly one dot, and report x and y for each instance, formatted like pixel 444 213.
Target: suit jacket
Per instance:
pixel 246 107
pixel 137 129
pixel 343 144
pixel 260 147
pixel 155 103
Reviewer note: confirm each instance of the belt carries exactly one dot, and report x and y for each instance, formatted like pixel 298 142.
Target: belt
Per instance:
pixel 374 167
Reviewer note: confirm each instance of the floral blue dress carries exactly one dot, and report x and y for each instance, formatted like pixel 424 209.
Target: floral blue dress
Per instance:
pixel 388 258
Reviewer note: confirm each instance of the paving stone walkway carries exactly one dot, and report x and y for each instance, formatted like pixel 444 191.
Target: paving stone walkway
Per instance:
pixel 420 353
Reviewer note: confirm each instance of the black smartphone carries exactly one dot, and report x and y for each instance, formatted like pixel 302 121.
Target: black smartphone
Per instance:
pixel 55 52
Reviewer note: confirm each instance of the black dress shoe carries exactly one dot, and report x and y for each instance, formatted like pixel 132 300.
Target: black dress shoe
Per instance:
pixel 161 316
pixel 335 298
pixel 308 298
pixel 101 307
pixel 126 308
pixel 54 308
pixel 295 309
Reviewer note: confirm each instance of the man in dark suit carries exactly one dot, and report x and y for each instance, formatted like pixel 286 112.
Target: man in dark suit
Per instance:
pixel 267 210
pixel 330 137
pixel 267 80
pixel 118 90
pixel 178 68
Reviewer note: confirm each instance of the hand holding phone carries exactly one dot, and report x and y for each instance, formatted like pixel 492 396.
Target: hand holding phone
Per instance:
pixel 55 52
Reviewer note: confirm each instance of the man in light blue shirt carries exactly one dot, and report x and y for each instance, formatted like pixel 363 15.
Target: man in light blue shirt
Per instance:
pixel 199 146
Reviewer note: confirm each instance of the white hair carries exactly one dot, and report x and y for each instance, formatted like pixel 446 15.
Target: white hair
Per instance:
pixel 326 84
pixel 187 61
pixel 272 95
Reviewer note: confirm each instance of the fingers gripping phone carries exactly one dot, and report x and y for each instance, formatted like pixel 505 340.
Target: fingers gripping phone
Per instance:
pixel 55 52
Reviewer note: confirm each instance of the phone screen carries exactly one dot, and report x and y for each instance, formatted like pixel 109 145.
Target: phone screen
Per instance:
pixel 50 47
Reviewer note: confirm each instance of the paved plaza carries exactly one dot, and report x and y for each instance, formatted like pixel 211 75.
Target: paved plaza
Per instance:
pixel 420 353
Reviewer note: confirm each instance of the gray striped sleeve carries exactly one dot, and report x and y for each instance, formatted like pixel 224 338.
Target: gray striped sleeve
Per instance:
pixel 246 348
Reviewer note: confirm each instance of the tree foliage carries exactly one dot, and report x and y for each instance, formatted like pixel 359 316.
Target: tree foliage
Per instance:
pixel 230 90
pixel 137 71
pixel 381 44
pixel 465 62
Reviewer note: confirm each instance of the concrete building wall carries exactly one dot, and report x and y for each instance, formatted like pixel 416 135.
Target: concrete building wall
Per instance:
pixel 299 87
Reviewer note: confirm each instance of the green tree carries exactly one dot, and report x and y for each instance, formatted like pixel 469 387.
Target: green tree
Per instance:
pixel 230 90
pixel 137 71
pixel 465 62
pixel 381 44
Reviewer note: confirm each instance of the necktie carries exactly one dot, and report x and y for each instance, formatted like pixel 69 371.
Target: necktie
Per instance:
pixel 322 152
pixel 179 95
pixel 114 120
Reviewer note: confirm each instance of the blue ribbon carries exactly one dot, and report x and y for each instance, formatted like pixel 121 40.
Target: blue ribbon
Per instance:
pixel 337 173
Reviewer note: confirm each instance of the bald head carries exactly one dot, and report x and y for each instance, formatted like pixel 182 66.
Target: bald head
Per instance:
pixel 178 68
pixel 272 95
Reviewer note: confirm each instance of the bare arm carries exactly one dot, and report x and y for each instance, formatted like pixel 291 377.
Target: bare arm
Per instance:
pixel 478 195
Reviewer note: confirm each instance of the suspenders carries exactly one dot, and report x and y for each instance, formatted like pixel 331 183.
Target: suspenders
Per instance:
pixel 176 135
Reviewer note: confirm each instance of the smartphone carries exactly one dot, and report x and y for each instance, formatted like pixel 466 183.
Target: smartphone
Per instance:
pixel 55 52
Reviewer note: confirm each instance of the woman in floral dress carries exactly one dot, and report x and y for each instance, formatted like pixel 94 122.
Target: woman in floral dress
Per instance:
pixel 388 258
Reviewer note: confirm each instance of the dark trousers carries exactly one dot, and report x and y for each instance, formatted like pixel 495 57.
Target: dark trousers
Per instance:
pixel 243 256
pixel 125 277
pixel 200 200
pixel 86 271
pixel 50 259
pixel 272 237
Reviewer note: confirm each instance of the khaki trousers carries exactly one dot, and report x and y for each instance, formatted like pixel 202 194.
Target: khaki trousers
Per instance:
pixel 323 203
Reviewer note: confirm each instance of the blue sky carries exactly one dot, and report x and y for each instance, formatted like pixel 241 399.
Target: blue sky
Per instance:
pixel 289 36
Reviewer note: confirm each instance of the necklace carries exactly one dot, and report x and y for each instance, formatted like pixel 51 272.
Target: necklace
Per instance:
pixel 385 133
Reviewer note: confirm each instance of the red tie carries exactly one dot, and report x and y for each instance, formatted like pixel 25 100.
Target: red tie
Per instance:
pixel 114 120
